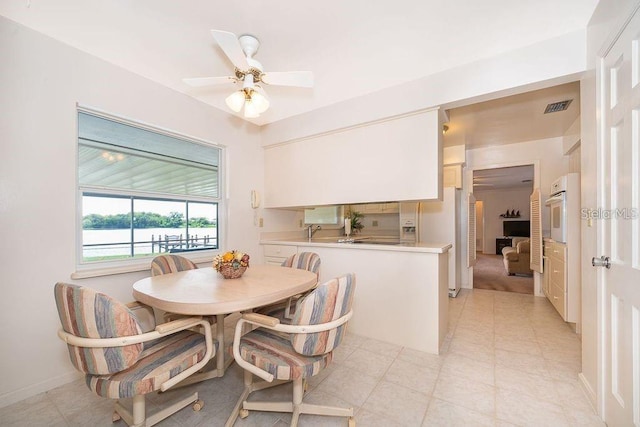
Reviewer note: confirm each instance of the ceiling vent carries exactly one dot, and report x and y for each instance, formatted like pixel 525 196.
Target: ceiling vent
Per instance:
pixel 557 106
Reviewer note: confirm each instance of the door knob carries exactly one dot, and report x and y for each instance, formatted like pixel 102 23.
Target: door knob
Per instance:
pixel 603 261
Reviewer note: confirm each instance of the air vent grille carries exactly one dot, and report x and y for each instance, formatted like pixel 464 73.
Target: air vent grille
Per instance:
pixel 557 106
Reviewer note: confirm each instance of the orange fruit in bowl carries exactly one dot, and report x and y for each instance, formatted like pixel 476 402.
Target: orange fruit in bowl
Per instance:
pixel 227 257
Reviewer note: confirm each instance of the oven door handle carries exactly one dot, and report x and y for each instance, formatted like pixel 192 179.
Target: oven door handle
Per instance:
pixel 555 199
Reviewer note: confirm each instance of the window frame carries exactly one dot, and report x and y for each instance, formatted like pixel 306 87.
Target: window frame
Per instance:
pixel 86 269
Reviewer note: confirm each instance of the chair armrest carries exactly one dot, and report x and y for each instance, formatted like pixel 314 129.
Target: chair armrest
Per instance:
pixel 274 324
pixel 159 332
pixel 261 319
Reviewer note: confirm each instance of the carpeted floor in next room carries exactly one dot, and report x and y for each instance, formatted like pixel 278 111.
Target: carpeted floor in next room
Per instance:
pixel 489 273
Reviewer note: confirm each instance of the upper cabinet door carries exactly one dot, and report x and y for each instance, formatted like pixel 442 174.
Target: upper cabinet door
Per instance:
pixel 392 159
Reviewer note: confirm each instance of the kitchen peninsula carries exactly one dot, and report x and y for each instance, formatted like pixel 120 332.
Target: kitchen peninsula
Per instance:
pixel 402 289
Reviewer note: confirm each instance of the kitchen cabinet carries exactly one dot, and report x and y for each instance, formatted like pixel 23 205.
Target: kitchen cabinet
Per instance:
pixel 558 285
pixel 396 158
pixel 376 208
pixel 277 254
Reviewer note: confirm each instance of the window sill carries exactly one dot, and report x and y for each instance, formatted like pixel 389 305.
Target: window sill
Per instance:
pixel 99 270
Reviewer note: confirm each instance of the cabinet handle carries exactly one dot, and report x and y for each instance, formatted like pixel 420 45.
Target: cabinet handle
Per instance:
pixel 556 271
pixel 556 252
pixel 555 298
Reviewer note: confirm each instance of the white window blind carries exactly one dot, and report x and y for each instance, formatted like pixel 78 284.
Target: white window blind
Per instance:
pixel 118 156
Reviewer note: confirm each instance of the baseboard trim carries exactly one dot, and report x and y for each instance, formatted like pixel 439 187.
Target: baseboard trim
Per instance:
pixel 32 390
pixel 589 392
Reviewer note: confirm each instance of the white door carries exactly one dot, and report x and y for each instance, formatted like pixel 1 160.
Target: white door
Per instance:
pixel 618 225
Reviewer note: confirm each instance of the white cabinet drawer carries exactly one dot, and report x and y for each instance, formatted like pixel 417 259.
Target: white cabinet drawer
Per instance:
pixel 279 251
pixel 556 272
pixel 557 299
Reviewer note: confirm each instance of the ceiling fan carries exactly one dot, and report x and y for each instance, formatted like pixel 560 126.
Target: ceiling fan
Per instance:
pixel 240 51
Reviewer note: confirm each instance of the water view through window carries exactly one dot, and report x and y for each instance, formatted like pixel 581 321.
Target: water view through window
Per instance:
pixel 120 227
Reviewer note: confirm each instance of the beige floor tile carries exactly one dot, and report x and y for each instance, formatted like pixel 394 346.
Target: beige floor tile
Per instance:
pixel 426 360
pixel 445 414
pixel 531 364
pixel 398 403
pixel 469 367
pixel 462 391
pixel 514 380
pixel 37 411
pixel 518 345
pixel 365 418
pixel 349 385
pixel 525 410
pixel 368 362
pixel 416 377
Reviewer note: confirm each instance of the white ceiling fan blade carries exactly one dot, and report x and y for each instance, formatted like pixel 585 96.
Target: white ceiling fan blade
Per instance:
pixel 289 78
pixel 231 46
pixel 209 81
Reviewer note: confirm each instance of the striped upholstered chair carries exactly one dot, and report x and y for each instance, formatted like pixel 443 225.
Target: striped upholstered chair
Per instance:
pixel 309 261
pixel 280 353
pixel 107 342
pixel 164 264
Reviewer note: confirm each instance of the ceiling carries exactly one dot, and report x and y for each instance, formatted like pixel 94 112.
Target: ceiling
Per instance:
pixel 516 118
pixel 352 47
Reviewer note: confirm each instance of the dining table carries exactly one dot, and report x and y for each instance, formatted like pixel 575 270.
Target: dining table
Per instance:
pixel 205 292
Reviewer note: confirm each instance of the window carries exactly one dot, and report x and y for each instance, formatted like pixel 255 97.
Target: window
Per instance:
pixel 144 191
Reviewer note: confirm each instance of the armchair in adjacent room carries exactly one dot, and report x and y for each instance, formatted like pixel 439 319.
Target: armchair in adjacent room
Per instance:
pixel 516 259
pixel 124 354
pixel 280 353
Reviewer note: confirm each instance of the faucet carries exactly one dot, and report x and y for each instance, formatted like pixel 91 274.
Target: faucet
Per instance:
pixel 311 231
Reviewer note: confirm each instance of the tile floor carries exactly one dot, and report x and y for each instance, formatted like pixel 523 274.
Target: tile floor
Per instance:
pixel 509 360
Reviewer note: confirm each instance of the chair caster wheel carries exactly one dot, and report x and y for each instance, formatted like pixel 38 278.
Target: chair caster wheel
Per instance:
pixel 198 405
pixel 244 413
pixel 352 422
pixel 115 417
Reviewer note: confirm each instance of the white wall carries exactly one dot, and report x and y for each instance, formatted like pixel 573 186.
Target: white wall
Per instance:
pixel 497 202
pixel 41 81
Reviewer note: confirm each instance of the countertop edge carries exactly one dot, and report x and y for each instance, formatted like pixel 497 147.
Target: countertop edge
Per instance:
pixel 437 248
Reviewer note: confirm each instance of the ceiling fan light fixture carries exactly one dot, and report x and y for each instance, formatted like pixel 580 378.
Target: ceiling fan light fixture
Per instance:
pixel 259 99
pixel 250 110
pixel 236 100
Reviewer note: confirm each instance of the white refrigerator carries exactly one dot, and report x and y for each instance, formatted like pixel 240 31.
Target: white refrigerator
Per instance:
pixel 438 222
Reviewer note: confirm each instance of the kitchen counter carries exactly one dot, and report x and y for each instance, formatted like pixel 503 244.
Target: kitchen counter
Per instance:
pixel 375 244
pixel 402 289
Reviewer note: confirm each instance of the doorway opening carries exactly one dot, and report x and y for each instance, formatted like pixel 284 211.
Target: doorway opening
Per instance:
pixel 502 228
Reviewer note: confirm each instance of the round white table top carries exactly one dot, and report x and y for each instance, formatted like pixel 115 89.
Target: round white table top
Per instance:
pixel 204 291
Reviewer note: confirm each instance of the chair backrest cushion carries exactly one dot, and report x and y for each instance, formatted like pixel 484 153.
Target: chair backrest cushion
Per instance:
pixel 87 313
pixel 327 302
pixel 309 261
pixel 165 264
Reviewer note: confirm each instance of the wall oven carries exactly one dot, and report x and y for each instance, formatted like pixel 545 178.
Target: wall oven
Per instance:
pixel 558 204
